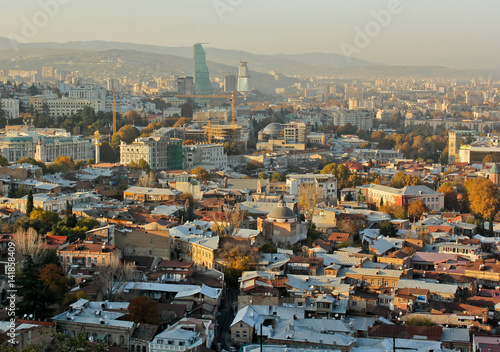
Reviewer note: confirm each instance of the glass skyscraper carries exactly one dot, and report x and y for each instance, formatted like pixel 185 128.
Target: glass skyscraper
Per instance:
pixel 201 75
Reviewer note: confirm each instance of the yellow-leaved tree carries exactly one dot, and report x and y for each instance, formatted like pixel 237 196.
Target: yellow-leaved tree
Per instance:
pixel 483 199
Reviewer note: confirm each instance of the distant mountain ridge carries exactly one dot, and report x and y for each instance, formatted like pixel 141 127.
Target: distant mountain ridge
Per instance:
pixel 223 61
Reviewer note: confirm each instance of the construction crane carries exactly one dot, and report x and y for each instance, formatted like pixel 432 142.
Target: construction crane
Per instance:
pixel 231 97
pixel 114 111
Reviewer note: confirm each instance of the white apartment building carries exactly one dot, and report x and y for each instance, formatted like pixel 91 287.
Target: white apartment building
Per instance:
pixel 49 148
pixel 52 202
pixel 363 120
pixel 326 182
pixel 87 92
pixel 160 152
pixel 66 107
pixel 10 107
pixel 16 145
pixel 175 101
pixel 295 132
pixel 210 156
pixel 169 112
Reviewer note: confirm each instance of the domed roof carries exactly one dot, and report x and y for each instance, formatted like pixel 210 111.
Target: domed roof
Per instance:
pixel 273 129
pixel 281 212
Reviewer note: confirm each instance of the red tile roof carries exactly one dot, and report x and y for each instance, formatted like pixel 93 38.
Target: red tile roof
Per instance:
pixel 405 331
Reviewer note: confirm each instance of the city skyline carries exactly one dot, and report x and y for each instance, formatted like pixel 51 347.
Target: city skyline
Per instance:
pixel 456 34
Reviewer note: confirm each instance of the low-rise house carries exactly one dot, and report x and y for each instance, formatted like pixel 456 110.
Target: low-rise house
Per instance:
pixel 486 272
pixel 304 265
pixel 374 278
pixel 471 251
pixel 176 338
pixel 395 260
pixel 406 332
pixel 438 292
pixel 148 194
pixel 100 322
pixel 171 271
pixel 456 339
pixel 87 254
pixel 429 261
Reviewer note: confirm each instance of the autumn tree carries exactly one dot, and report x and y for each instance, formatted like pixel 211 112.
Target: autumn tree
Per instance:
pixel 309 195
pixel 228 222
pixel 201 173
pixel 419 320
pixel 143 310
pixel 238 258
pixel 131 116
pixel 450 196
pixel 62 164
pixel 416 209
pixel 402 179
pixel 53 277
pixel 126 134
pixel 148 180
pixel 483 198
pixel 180 122
pixel 113 277
pixel 28 243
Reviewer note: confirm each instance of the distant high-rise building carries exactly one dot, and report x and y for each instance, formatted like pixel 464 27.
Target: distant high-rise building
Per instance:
pixel 185 85
pixel 201 74
pixel 243 78
pixel 453 146
pixel 229 83
pixel 113 84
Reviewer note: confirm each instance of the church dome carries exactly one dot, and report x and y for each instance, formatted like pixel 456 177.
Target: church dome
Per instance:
pixel 273 129
pixel 281 212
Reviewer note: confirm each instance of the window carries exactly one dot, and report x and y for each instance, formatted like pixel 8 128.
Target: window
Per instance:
pixel 103 260
pixel 354 303
pixel 237 333
pixel 244 334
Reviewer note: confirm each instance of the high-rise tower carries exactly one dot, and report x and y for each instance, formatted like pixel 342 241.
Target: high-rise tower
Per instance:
pixel 202 84
pixel 243 78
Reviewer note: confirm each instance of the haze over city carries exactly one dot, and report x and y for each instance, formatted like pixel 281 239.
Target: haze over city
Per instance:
pixel 249 175
pixel 452 33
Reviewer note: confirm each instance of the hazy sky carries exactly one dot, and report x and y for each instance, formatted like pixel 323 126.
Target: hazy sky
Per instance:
pixel 457 33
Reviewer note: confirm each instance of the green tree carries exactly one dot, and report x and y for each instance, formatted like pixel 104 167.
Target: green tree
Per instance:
pixel 360 197
pixel 387 229
pixel 3 161
pixel 231 149
pixel 278 177
pixel 143 310
pixel 36 297
pixel 29 203
pixel 450 196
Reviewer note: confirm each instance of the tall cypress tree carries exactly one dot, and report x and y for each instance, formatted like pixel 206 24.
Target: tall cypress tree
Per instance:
pixel 29 203
pixel 36 297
